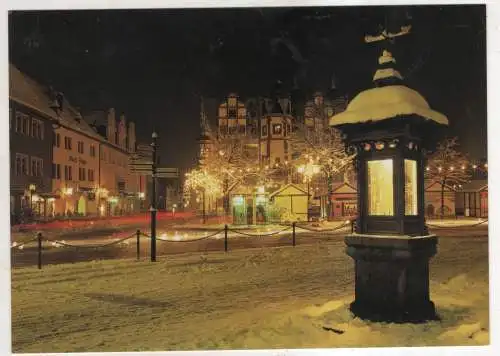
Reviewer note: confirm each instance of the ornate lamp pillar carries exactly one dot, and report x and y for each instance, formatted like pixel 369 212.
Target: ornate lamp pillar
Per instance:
pixel 389 126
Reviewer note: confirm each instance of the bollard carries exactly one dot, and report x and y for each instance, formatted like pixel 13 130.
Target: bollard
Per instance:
pixel 293 233
pixel 138 234
pixel 225 238
pixel 39 237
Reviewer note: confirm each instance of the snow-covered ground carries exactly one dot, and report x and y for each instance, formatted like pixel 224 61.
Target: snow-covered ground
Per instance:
pixel 456 222
pixel 258 298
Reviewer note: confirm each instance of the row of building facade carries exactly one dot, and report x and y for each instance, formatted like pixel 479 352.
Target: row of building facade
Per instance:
pixel 64 163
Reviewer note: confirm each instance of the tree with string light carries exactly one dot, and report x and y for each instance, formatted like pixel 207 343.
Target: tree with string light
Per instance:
pixel 447 166
pixel 323 149
pixel 201 182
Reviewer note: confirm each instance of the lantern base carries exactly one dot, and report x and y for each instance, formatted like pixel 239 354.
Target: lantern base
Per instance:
pixel 392 277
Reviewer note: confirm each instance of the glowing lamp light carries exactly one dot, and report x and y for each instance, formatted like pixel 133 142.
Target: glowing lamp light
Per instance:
pixel 68 191
pixel 379 146
pixel 486 165
pixel 440 169
pixel 474 166
pixel 141 195
pixel 102 191
pixel 32 187
pixel 427 169
pixel 452 168
pixel 463 167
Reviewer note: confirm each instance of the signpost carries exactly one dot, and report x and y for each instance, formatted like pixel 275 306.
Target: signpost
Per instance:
pixel 145 163
pixel 153 200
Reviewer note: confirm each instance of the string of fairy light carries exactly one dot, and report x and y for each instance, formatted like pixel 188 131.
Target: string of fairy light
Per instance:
pixel 463 167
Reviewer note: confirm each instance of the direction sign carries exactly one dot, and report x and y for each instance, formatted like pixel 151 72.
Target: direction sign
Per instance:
pixel 167 175
pixel 167 170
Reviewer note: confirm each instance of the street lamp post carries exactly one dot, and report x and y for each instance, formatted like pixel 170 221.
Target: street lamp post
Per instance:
pixel 308 170
pixel 153 199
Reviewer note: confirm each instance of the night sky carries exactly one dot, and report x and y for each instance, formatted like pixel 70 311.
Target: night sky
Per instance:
pixel 154 64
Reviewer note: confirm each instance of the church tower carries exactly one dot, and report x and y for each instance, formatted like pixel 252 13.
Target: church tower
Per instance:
pixel 205 139
pixel 276 128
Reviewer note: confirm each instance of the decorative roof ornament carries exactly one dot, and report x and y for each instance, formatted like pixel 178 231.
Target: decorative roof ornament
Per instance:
pixel 387 74
pixel 388 36
pixel 390 98
pixel 206 132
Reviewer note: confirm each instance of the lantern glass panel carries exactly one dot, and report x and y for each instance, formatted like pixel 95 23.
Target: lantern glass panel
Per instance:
pixel 410 187
pixel 380 188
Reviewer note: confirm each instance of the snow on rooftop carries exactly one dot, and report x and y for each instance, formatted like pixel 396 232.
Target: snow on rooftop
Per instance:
pixel 28 92
pixel 384 103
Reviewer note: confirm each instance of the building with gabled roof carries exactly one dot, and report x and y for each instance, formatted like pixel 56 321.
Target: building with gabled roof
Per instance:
pixel 31 135
pixel 88 171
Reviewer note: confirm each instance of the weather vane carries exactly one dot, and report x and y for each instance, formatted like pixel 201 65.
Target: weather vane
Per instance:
pixel 388 36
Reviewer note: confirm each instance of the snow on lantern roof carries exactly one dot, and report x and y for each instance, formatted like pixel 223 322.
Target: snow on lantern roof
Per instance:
pixel 387 73
pixel 386 57
pixel 386 102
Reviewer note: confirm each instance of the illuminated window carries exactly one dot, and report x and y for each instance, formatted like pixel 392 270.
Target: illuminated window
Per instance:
pixel 277 129
pixel 380 188
pixel 410 187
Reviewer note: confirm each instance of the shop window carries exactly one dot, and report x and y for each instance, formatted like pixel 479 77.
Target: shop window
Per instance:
pixel 277 129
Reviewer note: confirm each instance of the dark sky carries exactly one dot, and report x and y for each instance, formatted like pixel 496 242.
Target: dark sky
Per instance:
pixel 153 64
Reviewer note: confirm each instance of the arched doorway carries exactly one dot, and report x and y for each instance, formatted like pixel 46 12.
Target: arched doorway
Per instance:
pixel 82 206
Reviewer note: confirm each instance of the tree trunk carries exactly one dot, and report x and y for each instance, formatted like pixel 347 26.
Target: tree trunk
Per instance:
pixel 226 198
pixel 442 198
